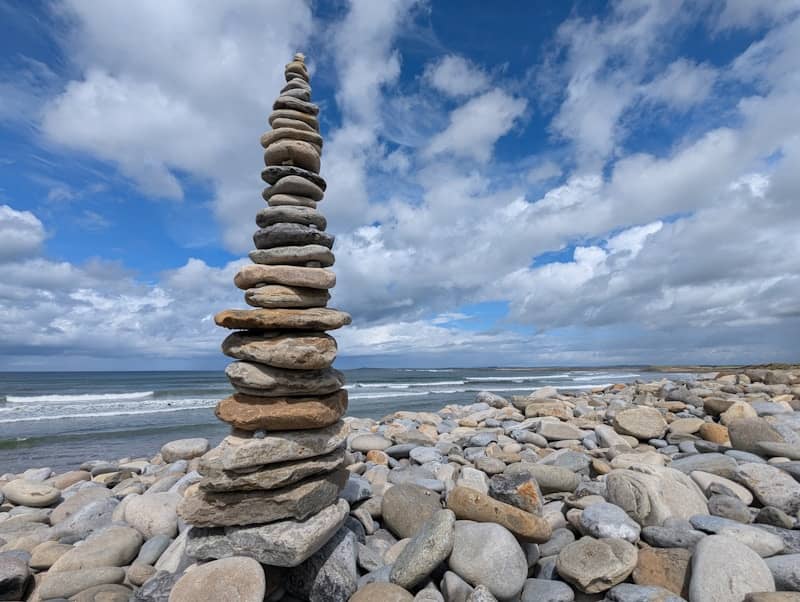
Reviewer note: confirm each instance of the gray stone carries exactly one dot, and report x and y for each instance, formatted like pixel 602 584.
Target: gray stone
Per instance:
pixel 771 485
pixel 293 255
pixel 551 479
pixel 747 433
pixel 110 592
pixel 278 295
pixel 559 539
pixel 76 502
pixel 488 554
pixel 288 214
pixel 670 537
pixel 770 515
pixel 786 572
pixel 779 450
pixel 286 235
pixel 607 520
pixel 729 507
pixel 641 422
pixel 153 514
pixel 724 570
pixel 595 565
pixel 405 508
pixel 272 174
pixel 331 574
pixel 184 449
pixel 266 381
pixel 91 517
pixel 628 592
pixel 283 543
pixel 157 588
pixel 545 590
pixel 114 546
pixel 30 493
pixel 295 350
pixel 153 548
pixel 356 489
pixel 296 185
pixel 66 584
pixel 760 541
pixel 718 464
pixel 385 592
pixel 559 431
pixel 369 442
pixel 520 490
pixel 14 578
pixel 481 594
pixel 238 578
pixel 427 549
pixel 174 558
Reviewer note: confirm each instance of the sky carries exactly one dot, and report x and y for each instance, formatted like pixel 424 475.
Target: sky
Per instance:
pixel 552 183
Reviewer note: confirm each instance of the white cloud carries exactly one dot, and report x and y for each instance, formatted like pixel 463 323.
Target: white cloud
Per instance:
pixel 477 125
pixel 21 234
pixel 456 76
pixel 682 84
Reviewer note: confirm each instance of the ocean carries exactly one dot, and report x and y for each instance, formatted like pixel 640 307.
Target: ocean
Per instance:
pixel 61 419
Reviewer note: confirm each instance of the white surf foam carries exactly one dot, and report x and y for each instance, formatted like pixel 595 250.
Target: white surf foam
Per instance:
pixel 79 397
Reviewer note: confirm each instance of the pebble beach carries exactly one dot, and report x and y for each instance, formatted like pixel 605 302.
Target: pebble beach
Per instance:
pixel 664 490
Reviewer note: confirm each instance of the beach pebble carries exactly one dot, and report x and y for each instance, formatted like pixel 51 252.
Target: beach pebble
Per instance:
pixel 664 567
pixel 154 514
pixel 405 508
pixel 546 590
pixel 237 578
pixel 30 493
pixel 365 443
pixel 469 504
pixel 640 422
pixel 627 592
pixel 595 565
pixel 786 572
pixel 114 546
pixel 66 584
pixel 519 489
pixel 604 520
pixel 771 486
pixel 45 554
pixel 385 592
pixel 14 578
pixel 330 574
pixel 724 570
pixel 429 547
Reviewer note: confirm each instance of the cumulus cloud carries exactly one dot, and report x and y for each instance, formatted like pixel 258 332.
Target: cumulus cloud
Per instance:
pixel 456 76
pixel 21 233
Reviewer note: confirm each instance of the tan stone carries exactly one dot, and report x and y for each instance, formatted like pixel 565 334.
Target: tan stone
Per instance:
pixel 298 501
pixel 293 152
pixel 299 255
pixel 738 411
pixel 281 413
pixel 295 185
pixel 283 319
pixel 259 380
pixel 641 422
pixel 291 200
pixel 716 433
pixel 284 133
pixel 287 214
pixel 669 568
pixel 277 295
pixel 312 351
pixel 238 579
pixel 296 115
pixel 469 504
pixel 685 426
pixel 284 122
pixel 288 275
pixel 66 479
pixel 378 457
pixel 381 592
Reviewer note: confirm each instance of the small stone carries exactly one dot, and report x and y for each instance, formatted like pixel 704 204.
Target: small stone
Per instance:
pixel 154 513
pixel 488 554
pixel 706 480
pixel 724 570
pixel 274 173
pixel 66 584
pixel 157 588
pixel 365 443
pixel 184 449
pixel 286 235
pixel 481 594
pixel 251 413
pixel 716 433
pixel 405 508
pixel 671 537
pixel 595 565
pixel 138 573
pixel 520 490
pixel 153 548
pixel 356 489
pixel 381 592
pixel 295 104
pixel 545 590
pixel 469 504
pixel 770 515
pixel 771 485
pixel 294 255
pixel 551 479
pixel 298 351
pixel 427 550
pixel 293 152
pixel 299 501
pixel 283 319
pixel 786 571
pixel 607 520
pixel 45 554
pixel 759 540
pixel 664 567
pixel 295 185
pixel 641 422
pixel 287 133
pixel 258 380
pixel 14 578
pixel 74 503
pixel 729 507
pixel 558 431
pixel 238 578
pixel 30 493
pixel 627 592
pixel 330 574
pixel 775 449
pixel 114 546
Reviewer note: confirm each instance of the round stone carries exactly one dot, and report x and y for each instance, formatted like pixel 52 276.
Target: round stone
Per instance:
pixel 295 185
pixel 283 319
pixel 313 351
pixel 595 565
pixel 30 493
pixel 256 274
pixel 641 422
pixel 488 554
pixel 405 508
pixel 266 381
pixel 427 550
pixel 184 449
pixel 282 413
pixel 295 124
pixel 295 215
pixel 283 235
pixel 154 513
pixel 114 546
pixel 605 520
pixel 238 578
pixel 292 152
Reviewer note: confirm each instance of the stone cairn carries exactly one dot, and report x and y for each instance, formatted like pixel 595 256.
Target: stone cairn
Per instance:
pixel 271 489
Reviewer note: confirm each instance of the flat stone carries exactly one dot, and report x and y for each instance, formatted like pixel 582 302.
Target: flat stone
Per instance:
pixel 775 449
pixel 368 442
pixel 291 200
pixel 270 476
pixel 546 590
pixel 238 578
pixel 295 185
pixel 769 515
pixel 157 588
pixel 30 493
pixel 705 480
pixel 714 463
pixel 277 295
pixel 298 351
pixel 299 501
pixel 251 413
pixel 295 116
pixel 285 446
pixel 771 485
pixel 267 381
pixel 762 542
pixel 45 554
pixel 66 584
pixel 385 592
pixel 469 504
pixel 184 449
pixel 520 490
pixel 747 433
pixel 76 502
pixel 652 494
pixel 274 173
pixel 288 214
pixel 627 592
pixel 605 520
pixel 551 479
pixel 256 274
pixel 724 570
pixel 114 546
pixel 405 508
pixel 288 133
pixel 295 255
pixel 14 578
pixel 729 507
pixel 283 235
pixel 786 571
pixel 284 543
pixel 671 537
pixel 430 547
pixel 685 426
pixel 283 319
pixel 330 574
pixel 295 104
pixel 669 568
pixel 641 422
pixel 91 517
pixel 558 431
pixel 110 592
pixel 596 565
pixel 154 513
pixel 772 597
pixel 488 554
pixel 716 433
pixel 153 548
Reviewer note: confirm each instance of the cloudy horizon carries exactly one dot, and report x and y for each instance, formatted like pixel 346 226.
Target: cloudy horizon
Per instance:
pixel 565 185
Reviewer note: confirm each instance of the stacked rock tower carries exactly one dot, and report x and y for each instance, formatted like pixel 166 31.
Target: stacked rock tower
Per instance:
pixel 276 479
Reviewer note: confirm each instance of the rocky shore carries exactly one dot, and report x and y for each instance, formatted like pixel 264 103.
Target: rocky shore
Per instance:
pixel 658 491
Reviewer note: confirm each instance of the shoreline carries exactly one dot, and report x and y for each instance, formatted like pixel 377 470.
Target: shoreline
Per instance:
pixel 536 474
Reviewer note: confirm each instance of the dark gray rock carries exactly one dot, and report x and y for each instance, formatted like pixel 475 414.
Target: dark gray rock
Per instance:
pixel 153 548
pixel 520 490
pixel 769 515
pixel 729 507
pixel 14 578
pixel 157 588
pixel 287 235
pixel 628 592
pixel 670 537
pixel 786 572
pixel 545 590
pixel 427 550
pixel 607 520
pixel 331 574
pixel 272 174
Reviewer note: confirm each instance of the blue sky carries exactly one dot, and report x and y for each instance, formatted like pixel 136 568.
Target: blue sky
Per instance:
pixel 552 183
